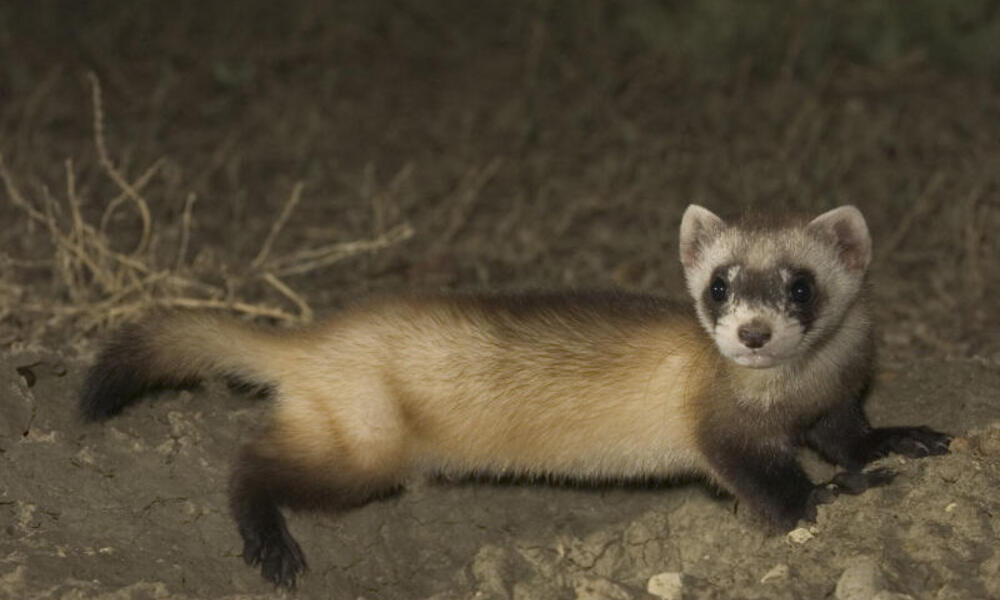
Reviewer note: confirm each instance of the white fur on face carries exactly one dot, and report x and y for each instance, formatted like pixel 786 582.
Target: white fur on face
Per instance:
pixel 786 336
pixel 699 274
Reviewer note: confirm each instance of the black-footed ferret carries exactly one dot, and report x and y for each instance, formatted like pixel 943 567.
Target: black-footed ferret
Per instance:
pixel 582 386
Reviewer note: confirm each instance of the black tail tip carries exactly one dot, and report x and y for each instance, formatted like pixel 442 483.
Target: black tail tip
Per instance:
pixel 108 389
pixel 123 372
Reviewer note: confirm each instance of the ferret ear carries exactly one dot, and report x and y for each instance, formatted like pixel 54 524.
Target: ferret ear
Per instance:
pixel 699 226
pixel 847 228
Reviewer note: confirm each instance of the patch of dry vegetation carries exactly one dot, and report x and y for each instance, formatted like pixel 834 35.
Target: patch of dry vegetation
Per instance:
pixel 100 285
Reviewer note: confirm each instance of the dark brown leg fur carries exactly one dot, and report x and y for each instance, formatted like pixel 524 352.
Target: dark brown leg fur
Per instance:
pixel 770 481
pixel 844 437
pixel 262 483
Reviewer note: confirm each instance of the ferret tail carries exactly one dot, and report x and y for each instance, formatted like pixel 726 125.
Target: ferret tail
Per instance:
pixel 174 350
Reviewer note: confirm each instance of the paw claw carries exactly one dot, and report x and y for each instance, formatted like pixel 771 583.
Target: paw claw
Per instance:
pixel 919 442
pixel 880 476
pixel 824 494
pixel 856 482
pixel 277 554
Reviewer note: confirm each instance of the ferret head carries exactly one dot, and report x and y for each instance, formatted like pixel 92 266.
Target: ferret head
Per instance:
pixel 768 294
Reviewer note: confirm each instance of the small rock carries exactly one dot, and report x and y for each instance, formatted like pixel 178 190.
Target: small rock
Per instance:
pixel 778 572
pixel 800 535
pixel 989 570
pixel 887 595
pixel 952 470
pixel 989 441
pixel 862 580
pixel 86 456
pixel 16 404
pixel 668 586
pixel 491 569
pixel 13 582
pixel 960 445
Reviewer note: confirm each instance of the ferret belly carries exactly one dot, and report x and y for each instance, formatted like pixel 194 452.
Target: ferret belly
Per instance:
pixel 582 455
pixel 617 426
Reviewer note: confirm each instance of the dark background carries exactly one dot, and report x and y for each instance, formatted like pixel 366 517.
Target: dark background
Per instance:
pixel 526 143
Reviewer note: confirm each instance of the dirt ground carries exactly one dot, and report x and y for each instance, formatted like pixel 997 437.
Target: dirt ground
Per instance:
pixel 443 146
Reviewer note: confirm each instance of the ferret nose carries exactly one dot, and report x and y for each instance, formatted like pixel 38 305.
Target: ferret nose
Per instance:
pixel 754 334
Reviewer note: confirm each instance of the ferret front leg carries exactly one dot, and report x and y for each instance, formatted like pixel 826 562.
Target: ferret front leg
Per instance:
pixel 770 480
pixel 843 436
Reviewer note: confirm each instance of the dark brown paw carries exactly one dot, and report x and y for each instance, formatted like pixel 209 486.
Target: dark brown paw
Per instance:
pixel 278 554
pixel 855 482
pixel 845 482
pixel 789 517
pixel 822 494
pixel 918 442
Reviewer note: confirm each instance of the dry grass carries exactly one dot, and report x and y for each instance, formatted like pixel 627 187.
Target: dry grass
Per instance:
pixel 100 286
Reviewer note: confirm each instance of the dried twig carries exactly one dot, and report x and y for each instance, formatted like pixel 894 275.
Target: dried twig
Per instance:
pixel 15 194
pixel 114 313
pixel 185 230
pixel 305 313
pixel 972 236
pixel 921 206
pixel 138 186
pixel 286 212
pixel 245 308
pixel 74 202
pixel 305 261
pixel 466 198
pixel 113 173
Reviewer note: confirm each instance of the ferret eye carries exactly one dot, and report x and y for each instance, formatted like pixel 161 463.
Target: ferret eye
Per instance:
pixel 719 289
pixel 801 290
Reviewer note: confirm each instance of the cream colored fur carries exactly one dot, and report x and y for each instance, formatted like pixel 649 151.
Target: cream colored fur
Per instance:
pixel 408 385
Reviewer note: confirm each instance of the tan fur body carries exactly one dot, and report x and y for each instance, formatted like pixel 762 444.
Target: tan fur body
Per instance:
pixel 455 386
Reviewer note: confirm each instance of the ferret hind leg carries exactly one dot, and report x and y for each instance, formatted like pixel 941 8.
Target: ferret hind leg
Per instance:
pixel 288 467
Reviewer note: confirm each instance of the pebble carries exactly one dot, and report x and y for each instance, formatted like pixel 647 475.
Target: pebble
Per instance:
pixel 778 572
pixel 862 580
pixel 800 535
pixel 666 586
pixel 989 442
pixel 960 445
